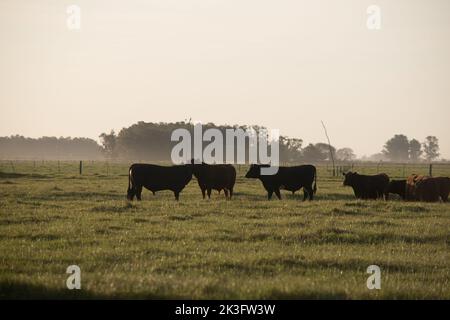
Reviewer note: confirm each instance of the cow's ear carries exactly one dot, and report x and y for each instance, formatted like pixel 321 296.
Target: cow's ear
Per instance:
pixel 343 173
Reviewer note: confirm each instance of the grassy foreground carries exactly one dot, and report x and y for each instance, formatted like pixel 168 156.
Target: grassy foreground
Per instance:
pixel 244 248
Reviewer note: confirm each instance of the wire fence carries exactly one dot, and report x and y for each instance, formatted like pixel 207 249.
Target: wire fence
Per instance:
pixel 117 168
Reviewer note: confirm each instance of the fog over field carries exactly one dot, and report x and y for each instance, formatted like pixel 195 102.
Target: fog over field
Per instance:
pixel 281 64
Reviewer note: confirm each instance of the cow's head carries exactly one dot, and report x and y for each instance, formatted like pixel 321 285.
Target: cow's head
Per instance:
pixel 196 161
pixel 349 178
pixel 197 167
pixel 255 170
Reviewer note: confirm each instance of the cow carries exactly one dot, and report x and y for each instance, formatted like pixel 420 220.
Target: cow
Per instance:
pixel 430 189
pixel 157 178
pixel 443 184
pixel 410 190
pixel 287 178
pixel 396 187
pixel 367 187
pixel 215 176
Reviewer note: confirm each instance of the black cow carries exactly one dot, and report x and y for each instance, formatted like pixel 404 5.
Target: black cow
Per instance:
pixel 287 178
pixel 215 176
pixel 396 187
pixel 367 187
pixel 157 178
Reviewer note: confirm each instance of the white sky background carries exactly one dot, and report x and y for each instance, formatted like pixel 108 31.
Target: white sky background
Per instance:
pixel 285 64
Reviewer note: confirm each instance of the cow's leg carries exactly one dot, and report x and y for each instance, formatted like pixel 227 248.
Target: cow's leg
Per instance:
pixel 226 193
pixel 444 194
pixel 305 194
pixel 131 193
pixel 209 193
pixel 278 194
pixel 176 194
pixel 138 191
pixel 379 194
pixel 203 192
pixel 269 194
pixel 231 192
pixel 310 192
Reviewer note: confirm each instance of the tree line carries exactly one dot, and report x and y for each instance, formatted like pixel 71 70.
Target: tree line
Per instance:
pixel 151 141
pixel 400 149
pixel 148 141
pixel 49 148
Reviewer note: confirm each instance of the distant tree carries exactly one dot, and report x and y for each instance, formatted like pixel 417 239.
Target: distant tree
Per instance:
pixel 109 142
pixel 313 153
pixel 431 148
pixel 397 148
pixel 295 144
pixel 345 154
pixel 325 150
pixel 290 149
pixel 415 150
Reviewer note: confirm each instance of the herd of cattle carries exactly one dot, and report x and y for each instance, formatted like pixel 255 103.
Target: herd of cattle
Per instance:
pixel 414 188
pixel 223 177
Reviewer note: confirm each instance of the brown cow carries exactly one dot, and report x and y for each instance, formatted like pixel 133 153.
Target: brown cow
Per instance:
pixel 410 189
pixel 425 188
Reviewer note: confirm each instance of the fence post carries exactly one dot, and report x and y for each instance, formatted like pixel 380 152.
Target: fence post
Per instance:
pixel 430 171
pixel 81 167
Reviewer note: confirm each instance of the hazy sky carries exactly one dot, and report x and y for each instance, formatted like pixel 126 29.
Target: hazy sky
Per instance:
pixel 285 64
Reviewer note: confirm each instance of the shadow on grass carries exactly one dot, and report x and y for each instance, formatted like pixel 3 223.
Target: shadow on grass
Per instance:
pixel 15 290
pixel 22 290
pixel 333 236
pixel 307 295
pixel 77 195
pixel 10 175
pixel 335 196
pixel 127 206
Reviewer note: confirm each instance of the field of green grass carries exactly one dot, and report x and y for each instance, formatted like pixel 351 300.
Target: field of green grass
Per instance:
pixel 247 248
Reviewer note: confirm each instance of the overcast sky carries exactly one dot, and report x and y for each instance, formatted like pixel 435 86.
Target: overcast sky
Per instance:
pixel 285 64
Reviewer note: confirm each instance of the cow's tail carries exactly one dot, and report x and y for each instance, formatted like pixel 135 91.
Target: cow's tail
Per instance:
pixel 129 191
pixel 129 179
pixel 315 181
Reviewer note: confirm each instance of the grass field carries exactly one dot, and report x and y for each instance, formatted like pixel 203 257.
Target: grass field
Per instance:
pixel 51 217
